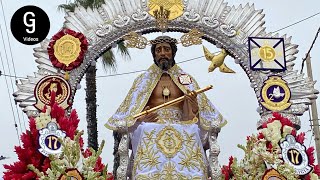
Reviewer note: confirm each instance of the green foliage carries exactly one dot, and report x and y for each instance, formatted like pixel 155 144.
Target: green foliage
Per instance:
pixel 93 4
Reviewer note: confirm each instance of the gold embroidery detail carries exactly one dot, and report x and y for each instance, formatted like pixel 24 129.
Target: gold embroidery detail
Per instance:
pixel 191 157
pixel 192 121
pixel 146 155
pixel 169 173
pixel 169 115
pixel 169 141
pixel 142 99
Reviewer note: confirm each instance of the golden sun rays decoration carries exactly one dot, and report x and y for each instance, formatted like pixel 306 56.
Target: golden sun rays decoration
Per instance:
pixel 162 16
pixel 165 10
pixel 174 6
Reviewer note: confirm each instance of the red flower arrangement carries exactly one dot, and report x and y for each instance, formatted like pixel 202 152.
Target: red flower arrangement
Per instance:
pixel 28 153
pixel 65 54
pixel 228 171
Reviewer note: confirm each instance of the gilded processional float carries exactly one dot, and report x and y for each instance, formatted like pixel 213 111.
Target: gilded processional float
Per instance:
pixel 166 118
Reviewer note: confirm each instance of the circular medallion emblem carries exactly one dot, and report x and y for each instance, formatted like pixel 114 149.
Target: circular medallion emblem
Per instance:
pixel 267 53
pixel 45 87
pixel 275 94
pixel 66 49
pixel 169 141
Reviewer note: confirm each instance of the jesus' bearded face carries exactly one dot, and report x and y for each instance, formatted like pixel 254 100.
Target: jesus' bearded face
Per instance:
pixel 163 56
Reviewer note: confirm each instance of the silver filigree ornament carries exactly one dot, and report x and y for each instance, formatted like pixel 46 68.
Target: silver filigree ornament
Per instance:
pixel 121 21
pixel 140 15
pixel 211 22
pixel 191 16
pixel 103 30
pixel 228 30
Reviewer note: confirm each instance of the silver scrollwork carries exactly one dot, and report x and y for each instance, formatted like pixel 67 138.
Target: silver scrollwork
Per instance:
pixel 140 15
pixel 211 22
pixel 191 16
pixel 103 30
pixel 228 30
pixel 121 21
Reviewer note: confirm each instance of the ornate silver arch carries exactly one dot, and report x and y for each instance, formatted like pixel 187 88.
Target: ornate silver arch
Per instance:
pixel 223 25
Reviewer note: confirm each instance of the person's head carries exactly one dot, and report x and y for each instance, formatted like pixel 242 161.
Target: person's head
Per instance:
pixel 163 50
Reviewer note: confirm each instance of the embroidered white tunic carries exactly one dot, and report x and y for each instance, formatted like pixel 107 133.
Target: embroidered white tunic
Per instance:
pixel 169 150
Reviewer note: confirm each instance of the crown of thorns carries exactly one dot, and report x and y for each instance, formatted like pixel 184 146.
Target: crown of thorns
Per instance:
pixel 164 39
pixel 134 40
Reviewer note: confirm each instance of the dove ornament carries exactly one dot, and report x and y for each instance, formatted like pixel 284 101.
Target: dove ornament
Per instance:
pixel 275 94
pixel 217 61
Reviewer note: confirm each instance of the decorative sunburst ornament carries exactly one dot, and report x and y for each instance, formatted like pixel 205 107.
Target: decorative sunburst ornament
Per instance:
pixel 66 49
pixel 165 10
pixel 174 6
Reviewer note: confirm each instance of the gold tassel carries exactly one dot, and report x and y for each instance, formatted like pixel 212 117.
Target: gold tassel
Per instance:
pixel 66 75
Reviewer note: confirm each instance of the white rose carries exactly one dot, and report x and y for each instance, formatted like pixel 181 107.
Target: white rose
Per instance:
pixel 286 130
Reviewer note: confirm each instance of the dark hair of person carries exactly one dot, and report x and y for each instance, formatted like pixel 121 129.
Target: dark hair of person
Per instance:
pixel 164 39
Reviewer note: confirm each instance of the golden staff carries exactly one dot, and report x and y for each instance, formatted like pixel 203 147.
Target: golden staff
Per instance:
pixel 175 101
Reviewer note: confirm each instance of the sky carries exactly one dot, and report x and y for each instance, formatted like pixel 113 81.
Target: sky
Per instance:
pixel 231 94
